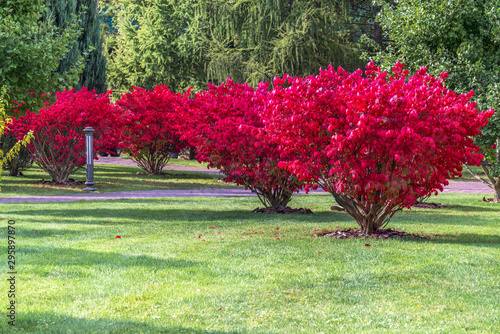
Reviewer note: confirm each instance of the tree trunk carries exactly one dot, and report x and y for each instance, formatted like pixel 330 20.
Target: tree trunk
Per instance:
pixel 273 199
pixel 192 153
pixel 370 217
pixel 496 198
pixel 498 150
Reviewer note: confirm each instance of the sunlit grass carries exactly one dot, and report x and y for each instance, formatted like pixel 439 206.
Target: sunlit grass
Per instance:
pixel 208 265
pixel 176 161
pixel 108 178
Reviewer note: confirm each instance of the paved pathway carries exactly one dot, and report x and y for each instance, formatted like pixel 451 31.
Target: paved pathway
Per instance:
pixel 462 187
pixel 129 194
pixel 454 187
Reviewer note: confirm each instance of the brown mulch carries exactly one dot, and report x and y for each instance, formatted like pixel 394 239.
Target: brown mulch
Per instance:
pixel 489 200
pixel 70 182
pixel 283 210
pixel 356 233
pixel 429 205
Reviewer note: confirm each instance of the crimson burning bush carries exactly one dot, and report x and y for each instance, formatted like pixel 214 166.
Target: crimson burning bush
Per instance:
pixel 224 125
pixel 149 132
pixel 58 146
pixel 376 143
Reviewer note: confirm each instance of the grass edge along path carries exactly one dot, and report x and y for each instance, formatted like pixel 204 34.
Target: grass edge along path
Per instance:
pixel 110 178
pixel 455 187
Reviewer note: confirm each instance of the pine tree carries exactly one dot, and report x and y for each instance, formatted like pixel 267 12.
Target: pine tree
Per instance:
pixel 155 46
pixel 254 41
pixel 187 43
pixel 90 43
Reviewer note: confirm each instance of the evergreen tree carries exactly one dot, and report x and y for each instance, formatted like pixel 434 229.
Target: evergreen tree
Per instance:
pixel 30 51
pixel 155 46
pixel 254 41
pixel 90 43
pixel 186 43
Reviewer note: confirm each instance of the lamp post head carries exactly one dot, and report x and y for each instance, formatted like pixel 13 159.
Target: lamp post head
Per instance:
pixel 88 130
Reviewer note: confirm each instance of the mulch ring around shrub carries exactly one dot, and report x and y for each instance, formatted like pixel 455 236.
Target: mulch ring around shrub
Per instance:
pixel 429 205
pixel 283 210
pixel 355 233
pixel 70 182
pixel 489 200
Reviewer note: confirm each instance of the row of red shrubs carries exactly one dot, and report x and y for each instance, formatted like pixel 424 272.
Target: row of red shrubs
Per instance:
pixel 376 142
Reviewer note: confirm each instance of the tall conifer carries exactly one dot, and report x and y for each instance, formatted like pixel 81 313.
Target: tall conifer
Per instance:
pixel 185 43
pixel 90 43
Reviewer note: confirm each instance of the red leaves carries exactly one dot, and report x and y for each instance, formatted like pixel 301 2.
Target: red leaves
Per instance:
pixel 224 125
pixel 59 143
pixel 380 139
pixel 368 245
pixel 149 133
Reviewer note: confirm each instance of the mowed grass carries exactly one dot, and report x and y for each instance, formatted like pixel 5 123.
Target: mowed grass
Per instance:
pixel 108 178
pixel 207 265
pixel 176 161
pixel 467 176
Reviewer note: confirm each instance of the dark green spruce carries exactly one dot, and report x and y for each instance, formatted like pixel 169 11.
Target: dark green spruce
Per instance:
pixel 90 43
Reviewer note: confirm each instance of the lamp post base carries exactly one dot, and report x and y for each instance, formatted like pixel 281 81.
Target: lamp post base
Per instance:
pixel 90 186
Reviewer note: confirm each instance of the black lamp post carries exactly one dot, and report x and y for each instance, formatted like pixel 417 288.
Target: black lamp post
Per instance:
pixel 89 143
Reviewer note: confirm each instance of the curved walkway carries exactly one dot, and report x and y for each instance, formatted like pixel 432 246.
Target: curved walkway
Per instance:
pixel 454 187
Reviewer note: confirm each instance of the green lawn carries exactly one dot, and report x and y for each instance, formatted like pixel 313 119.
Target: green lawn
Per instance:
pixel 467 176
pixel 108 178
pixel 171 272
pixel 181 162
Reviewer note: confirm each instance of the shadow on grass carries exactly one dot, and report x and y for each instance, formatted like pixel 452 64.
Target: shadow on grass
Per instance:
pixel 84 258
pixel 117 216
pixel 131 211
pixel 489 207
pixel 470 239
pixel 31 322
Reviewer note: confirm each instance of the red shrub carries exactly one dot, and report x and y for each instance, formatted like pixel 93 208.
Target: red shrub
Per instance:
pixel 224 125
pixel 149 133
pixel 59 143
pixel 375 143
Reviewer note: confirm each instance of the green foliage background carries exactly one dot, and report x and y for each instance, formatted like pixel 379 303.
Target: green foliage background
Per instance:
pixel 30 51
pixel 186 43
